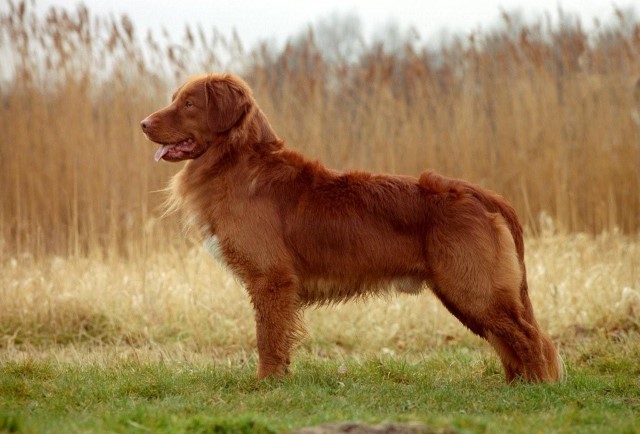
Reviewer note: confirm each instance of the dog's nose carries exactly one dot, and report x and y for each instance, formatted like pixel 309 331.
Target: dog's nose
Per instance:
pixel 145 124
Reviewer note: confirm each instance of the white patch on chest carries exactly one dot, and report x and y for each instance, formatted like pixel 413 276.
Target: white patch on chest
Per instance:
pixel 210 242
pixel 212 246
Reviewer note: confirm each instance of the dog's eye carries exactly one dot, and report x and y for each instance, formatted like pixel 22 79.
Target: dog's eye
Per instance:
pixel 188 104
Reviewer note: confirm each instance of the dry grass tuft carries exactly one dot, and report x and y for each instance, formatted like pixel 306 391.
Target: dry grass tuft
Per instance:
pixel 181 302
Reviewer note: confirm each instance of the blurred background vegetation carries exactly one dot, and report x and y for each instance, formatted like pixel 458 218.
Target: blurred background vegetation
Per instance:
pixel 546 114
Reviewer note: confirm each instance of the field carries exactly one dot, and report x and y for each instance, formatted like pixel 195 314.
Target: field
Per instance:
pixel 113 320
pixel 123 345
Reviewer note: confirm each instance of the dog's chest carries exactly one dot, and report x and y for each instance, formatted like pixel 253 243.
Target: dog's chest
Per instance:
pixel 210 240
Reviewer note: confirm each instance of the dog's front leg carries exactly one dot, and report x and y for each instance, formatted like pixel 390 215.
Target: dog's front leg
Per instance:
pixel 276 304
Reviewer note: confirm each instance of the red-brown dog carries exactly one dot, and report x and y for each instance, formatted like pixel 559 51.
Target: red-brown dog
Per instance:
pixel 297 233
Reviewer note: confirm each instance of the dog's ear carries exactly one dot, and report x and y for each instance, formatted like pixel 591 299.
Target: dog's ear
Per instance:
pixel 227 102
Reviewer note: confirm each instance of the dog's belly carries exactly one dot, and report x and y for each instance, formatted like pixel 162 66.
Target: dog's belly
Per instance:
pixel 323 290
pixel 408 284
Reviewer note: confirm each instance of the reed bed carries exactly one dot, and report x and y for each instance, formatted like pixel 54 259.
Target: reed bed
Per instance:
pixel 546 115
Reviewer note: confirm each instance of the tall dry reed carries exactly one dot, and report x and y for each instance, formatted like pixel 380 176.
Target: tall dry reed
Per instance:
pixel 545 115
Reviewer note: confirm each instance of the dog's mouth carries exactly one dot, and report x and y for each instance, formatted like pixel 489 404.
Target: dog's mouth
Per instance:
pixel 176 151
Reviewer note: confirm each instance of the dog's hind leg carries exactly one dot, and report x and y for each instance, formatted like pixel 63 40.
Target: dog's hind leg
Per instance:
pixel 519 344
pixel 278 324
pixel 478 278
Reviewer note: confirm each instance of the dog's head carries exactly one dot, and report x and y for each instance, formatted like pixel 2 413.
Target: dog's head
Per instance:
pixel 202 112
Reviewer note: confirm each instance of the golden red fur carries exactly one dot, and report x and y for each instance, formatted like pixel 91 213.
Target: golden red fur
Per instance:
pixel 297 233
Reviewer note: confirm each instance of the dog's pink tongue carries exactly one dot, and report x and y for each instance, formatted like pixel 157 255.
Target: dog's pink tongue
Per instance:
pixel 163 149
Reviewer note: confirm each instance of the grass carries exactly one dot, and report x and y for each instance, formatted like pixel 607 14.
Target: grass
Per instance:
pixel 165 343
pixel 457 387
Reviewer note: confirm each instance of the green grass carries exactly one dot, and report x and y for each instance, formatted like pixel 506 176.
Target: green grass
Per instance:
pixel 455 387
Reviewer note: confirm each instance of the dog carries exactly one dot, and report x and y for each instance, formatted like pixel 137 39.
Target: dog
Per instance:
pixel 297 233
